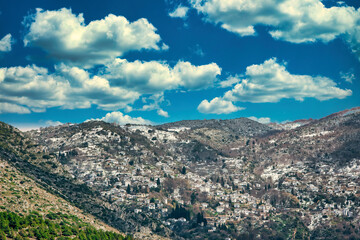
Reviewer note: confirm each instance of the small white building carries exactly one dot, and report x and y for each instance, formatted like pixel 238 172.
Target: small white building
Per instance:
pixel 137 210
pixel 152 206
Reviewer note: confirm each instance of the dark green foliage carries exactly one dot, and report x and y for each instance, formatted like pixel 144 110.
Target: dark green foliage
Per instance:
pixel 158 182
pixel 179 212
pixel 36 226
pixel 2 235
pixel 200 219
pixel 193 197
pixel 286 225
pixel 183 170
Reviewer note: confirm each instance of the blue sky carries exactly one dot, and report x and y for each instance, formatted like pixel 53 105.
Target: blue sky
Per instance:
pixel 158 61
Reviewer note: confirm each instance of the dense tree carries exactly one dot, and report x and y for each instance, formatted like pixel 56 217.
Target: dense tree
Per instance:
pixel 179 212
pixel 193 197
pixel 38 227
pixel 200 219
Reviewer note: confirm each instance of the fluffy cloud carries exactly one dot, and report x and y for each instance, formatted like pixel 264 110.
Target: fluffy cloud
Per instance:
pixel 116 86
pixel 12 108
pixel 289 20
pixel 154 76
pixel 5 43
pixel 121 119
pixel 263 120
pixel 31 86
pixel 65 36
pixel 94 90
pixel 270 82
pixel 162 113
pixel 146 77
pixel 179 12
pixel 218 106
pixel 68 87
pixel 196 77
pixel 229 82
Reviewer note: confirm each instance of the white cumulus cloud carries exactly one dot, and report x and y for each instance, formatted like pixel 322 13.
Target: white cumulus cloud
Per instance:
pixel 155 76
pixel 12 108
pixel 68 88
pixel 263 120
pixel 66 37
pixel 289 20
pixel 115 86
pixel 146 77
pixel 196 77
pixel 229 82
pixel 218 106
pixel 5 43
pixel 121 119
pixel 179 12
pixel 162 113
pixel 271 82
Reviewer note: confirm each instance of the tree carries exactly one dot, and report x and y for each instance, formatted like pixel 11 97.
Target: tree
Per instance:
pixel 135 189
pixel 128 189
pixel 200 219
pixel 183 170
pixel 158 182
pixel 179 212
pixel 193 197
pixel 2 235
pixel 222 182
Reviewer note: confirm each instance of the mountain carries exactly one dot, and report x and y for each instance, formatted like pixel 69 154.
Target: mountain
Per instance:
pixel 204 179
pixel 28 210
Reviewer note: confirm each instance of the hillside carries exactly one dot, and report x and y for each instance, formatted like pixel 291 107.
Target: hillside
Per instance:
pixel 204 179
pixel 22 195
pixel 238 126
pixel 26 178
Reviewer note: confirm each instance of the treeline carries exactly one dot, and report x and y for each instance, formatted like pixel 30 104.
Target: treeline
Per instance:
pixel 50 227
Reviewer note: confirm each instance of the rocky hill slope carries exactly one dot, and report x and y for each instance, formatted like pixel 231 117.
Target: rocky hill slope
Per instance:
pixel 205 179
pixel 31 182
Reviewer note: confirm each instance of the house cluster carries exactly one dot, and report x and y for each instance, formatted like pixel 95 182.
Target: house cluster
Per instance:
pixel 231 191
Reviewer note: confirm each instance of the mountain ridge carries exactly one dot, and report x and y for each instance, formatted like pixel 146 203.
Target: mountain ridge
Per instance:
pixel 238 173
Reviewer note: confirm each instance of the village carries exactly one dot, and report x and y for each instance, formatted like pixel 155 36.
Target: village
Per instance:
pixel 225 191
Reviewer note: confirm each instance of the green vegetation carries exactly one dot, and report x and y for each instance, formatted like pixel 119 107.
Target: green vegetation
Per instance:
pixel 52 226
pixel 180 212
pixel 286 226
